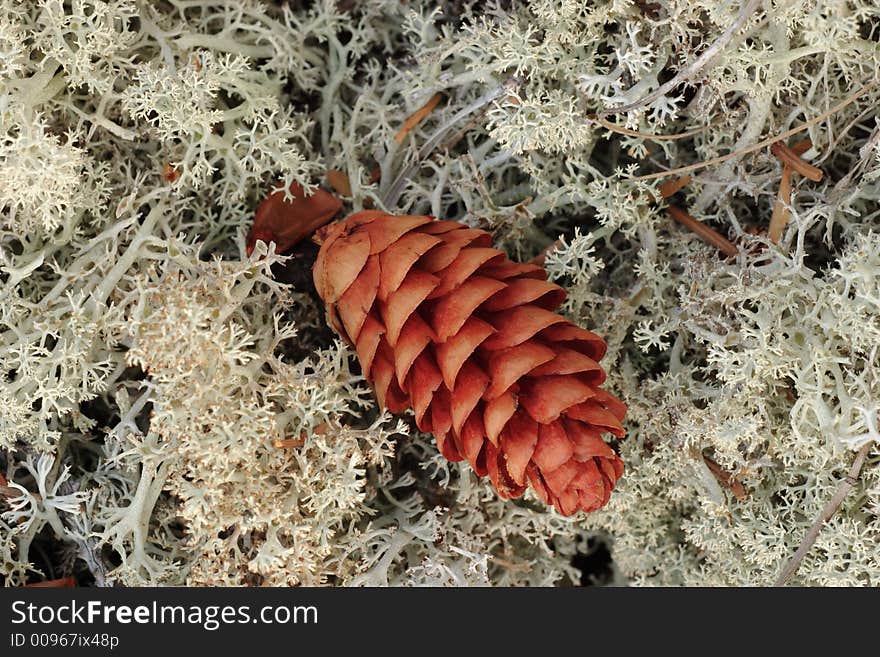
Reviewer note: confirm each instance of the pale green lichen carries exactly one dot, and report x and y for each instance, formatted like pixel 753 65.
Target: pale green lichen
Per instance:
pixel 149 371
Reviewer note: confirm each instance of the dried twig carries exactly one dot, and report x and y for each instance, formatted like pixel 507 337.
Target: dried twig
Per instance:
pixel 613 127
pixel 696 65
pixel 292 442
pixel 842 491
pixel 761 144
pixel 703 231
pixel 801 147
pixel 340 181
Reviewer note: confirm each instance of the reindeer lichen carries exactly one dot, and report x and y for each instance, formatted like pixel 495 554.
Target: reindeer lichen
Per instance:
pixel 173 411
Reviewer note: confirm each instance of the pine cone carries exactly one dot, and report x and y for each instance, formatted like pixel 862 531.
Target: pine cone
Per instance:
pixel 448 326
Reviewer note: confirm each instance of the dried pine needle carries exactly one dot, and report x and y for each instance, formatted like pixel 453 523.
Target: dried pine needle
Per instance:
pixel 779 219
pixel 417 117
pixel 793 160
pixel 703 231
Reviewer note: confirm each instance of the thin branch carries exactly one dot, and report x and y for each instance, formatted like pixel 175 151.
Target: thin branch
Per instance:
pixel 292 442
pixel 791 159
pixel 842 491
pixel 760 144
pixel 613 127
pixel 710 52
pixel 411 122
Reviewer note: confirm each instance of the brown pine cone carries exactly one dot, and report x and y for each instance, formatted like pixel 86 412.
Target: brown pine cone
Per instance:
pixel 448 326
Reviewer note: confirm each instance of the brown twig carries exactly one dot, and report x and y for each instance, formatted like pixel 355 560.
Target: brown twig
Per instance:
pixel 729 481
pixel 761 144
pixel 340 182
pixel 613 127
pixel 716 47
pixel 787 156
pixel 791 163
pixel 706 233
pixel 802 146
pixel 703 231
pixel 391 195
pixel 842 491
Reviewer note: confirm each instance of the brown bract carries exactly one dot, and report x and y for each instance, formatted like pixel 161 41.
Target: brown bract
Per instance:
pixel 287 222
pixel 448 326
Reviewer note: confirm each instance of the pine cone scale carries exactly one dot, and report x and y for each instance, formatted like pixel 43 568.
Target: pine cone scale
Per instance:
pixel 497 414
pixel 400 305
pixel 452 354
pixel 518 324
pixel 399 258
pixel 508 366
pixel 448 326
pixel 449 313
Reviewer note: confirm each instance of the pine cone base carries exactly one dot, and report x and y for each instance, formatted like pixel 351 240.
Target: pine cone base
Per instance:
pixel 447 325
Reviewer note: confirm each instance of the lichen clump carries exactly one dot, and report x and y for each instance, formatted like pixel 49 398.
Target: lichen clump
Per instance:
pixel 175 411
